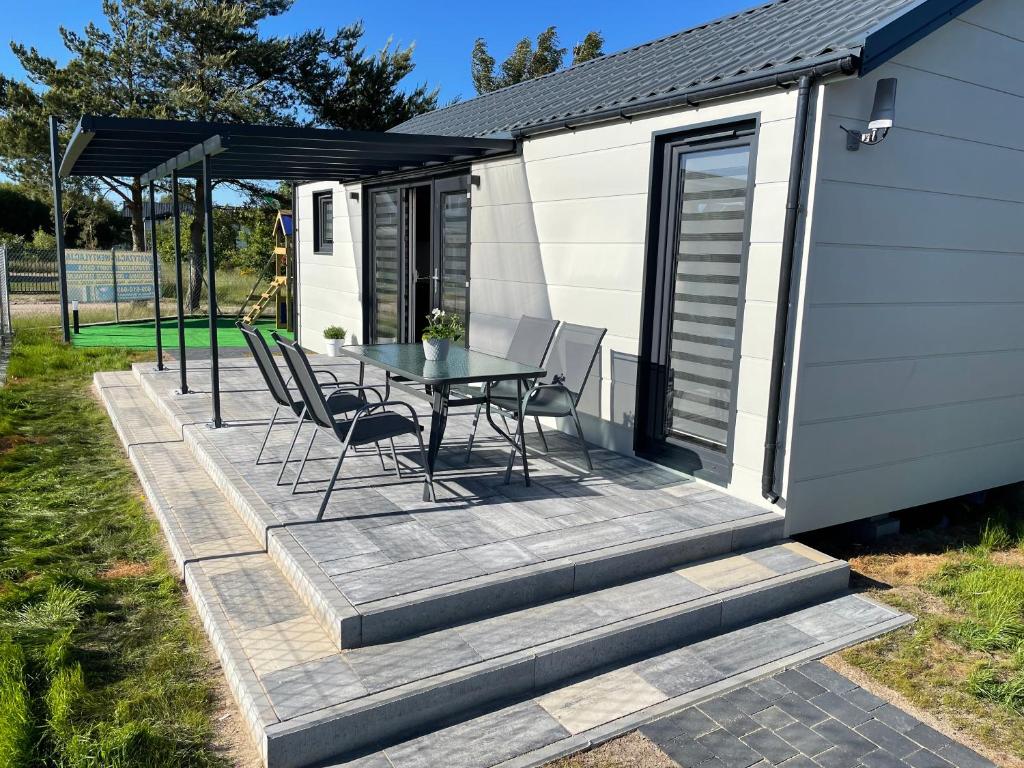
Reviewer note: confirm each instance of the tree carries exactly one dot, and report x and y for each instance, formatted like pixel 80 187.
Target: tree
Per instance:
pixel 528 61
pixel 345 88
pixel 197 60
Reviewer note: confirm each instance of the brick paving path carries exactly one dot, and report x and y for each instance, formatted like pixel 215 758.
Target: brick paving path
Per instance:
pixel 807 717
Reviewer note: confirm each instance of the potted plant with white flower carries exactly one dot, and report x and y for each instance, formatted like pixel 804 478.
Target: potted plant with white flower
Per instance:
pixel 335 336
pixel 442 329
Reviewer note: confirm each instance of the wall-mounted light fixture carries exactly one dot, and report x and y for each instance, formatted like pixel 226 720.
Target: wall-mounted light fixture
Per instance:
pixel 883 116
pixel 354 196
pixel 474 180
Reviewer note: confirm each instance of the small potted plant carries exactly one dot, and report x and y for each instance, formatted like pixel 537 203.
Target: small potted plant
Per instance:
pixel 442 329
pixel 335 336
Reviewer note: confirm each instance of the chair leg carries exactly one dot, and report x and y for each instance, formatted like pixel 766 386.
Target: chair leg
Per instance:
pixel 540 431
pixel 288 456
pixel 519 436
pixel 267 435
pixel 334 479
pixel 305 456
pixel 380 455
pixel 426 467
pixel 579 432
pixel 394 458
pixel 472 433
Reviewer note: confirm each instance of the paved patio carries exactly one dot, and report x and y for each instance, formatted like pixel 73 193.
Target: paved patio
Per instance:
pixel 584 601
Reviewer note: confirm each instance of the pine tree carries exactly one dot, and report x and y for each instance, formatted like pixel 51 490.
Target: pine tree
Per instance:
pixel 528 60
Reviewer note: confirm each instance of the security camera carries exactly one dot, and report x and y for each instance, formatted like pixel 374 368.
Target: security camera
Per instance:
pixel 883 117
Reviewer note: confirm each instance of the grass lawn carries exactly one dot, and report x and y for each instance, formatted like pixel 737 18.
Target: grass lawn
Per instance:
pixel 100 663
pixel 142 335
pixel 963 660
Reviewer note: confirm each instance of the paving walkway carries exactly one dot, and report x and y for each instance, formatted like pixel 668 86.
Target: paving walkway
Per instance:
pixel 806 717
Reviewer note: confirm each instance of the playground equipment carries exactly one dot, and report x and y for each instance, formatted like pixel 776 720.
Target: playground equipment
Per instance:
pixel 279 290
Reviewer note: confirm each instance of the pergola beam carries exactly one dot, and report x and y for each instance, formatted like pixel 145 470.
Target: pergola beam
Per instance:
pixel 211 146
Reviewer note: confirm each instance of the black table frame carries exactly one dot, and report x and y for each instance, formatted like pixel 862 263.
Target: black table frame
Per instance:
pixel 438 393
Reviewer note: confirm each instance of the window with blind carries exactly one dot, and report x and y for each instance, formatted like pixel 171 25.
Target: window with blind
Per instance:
pixel 454 252
pixel 710 215
pixel 386 266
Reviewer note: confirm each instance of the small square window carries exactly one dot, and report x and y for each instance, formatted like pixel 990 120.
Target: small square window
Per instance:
pixel 323 221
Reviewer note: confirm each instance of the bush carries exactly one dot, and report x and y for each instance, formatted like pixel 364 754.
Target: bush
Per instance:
pixel 334 332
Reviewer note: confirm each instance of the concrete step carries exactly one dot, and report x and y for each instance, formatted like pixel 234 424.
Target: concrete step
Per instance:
pixel 303 700
pixel 378 605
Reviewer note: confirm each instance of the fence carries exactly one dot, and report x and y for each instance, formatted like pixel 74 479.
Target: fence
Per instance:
pixel 110 286
pixel 5 301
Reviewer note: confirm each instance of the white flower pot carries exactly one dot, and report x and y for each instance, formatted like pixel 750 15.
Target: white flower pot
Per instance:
pixel 334 346
pixel 436 349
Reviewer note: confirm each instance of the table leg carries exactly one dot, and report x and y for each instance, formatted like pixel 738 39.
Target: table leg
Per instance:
pixel 438 421
pixel 519 441
pixel 362 372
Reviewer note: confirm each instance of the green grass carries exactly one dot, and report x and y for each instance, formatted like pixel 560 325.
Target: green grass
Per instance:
pixel 963 660
pixel 143 335
pixel 100 663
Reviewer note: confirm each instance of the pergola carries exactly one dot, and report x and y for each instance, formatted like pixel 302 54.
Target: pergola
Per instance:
pixel 157 149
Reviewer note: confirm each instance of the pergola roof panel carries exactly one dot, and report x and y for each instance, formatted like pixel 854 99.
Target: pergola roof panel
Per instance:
pixel 111 146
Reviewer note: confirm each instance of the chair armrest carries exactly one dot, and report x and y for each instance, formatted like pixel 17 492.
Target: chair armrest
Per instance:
pixel 360 388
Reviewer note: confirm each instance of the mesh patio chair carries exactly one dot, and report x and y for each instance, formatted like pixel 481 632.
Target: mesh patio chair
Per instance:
pixel 343 401
pixel 568 366
pixel 371 422
pixel 529 345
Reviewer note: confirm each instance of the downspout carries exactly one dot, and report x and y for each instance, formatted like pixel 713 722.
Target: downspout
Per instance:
pixel 796 171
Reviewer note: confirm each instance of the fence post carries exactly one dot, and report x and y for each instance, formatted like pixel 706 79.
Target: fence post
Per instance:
pixel 113 275
pixel 58 229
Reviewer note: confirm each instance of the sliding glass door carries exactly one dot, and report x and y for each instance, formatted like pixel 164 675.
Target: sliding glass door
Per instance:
pixel 418 246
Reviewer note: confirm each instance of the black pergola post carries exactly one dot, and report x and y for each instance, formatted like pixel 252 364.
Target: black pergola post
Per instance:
pixel 58 231
pixel 156 276
pixel 176 217
pixel 211 282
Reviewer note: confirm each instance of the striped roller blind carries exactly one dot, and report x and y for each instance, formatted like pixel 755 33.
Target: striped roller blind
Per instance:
pixel 711 211
pixel 384 211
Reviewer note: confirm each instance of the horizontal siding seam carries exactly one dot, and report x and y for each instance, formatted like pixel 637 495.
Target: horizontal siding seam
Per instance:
pixel 984 87
pixel 923 303
pixel 903 358
pixel 988 29
pixel 917 191
pixel 548 284
pixel 908 460
pixel 915 248
pixel 936 134
pixel 532 203
pixel 912 409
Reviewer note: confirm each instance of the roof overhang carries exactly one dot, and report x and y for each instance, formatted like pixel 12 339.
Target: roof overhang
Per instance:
pixel 905 27
pixel 152 149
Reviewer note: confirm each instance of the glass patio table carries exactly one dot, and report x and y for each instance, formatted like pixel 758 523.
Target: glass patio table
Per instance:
pixel 463 366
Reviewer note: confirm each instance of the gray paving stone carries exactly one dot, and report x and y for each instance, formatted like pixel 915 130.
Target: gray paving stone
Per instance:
pixel 769 689
pixel 485 740
pixel 888 739
pixel 800 761
pixel 687 752
pixel 928 737
pixel 392 664
pixel 771 746
pixel 501 556
pixel 881 759
pixel 843 737
pixel 690 722
pixel 841 709
pixel 678 672
pixel 799 683
pixel 643 596
pixel 964 757
pixel 402 578
pixel 729 749
pixel 746 700
pixel 780 559
pixel 753 646
pixel 925 758
pixel 469 533
pixel 838 757
pixel 800 709
pixel 896 718
pixel 406 541
pixel 804 739
pixel 728 716
pixel 863 699
pixel 826 677
pixel 311 686
pixel 772 717
pixel 256 597
pixel 355 563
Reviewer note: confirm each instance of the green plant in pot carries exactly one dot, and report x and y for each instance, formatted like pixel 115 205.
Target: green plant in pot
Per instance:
pixel 335 336
pixel 442 329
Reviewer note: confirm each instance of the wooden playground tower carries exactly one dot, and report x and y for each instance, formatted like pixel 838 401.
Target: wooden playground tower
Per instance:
pixel 279 290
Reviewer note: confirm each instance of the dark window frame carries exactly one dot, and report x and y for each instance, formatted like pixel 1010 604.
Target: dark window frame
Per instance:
pixel 689 456
pixel 320 245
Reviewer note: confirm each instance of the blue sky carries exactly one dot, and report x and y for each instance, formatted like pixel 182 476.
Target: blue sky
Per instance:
pixel 443 31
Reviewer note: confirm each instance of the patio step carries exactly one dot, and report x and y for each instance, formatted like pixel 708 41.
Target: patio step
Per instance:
pixel 685 630
pixel 359 604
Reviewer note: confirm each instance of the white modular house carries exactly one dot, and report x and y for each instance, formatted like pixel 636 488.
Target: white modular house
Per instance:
pixel 812 315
